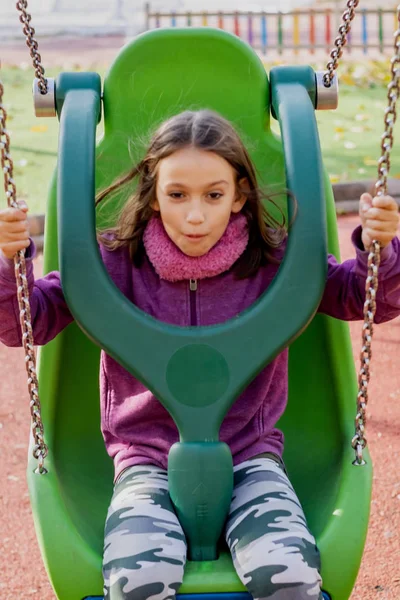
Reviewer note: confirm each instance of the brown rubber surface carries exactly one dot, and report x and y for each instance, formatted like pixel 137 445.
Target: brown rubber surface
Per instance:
pixel 22 575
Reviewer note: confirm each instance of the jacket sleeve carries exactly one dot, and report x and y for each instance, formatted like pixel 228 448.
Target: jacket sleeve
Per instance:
pixel 49 311
pixel 344 293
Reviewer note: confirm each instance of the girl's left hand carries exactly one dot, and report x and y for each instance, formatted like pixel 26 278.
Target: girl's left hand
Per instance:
pixel 379 219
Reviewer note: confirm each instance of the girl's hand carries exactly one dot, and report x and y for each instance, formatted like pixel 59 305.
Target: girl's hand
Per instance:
pixel 379 219
pixel 14 232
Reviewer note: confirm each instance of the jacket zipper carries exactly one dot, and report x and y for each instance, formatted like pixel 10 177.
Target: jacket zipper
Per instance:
pixel 193 312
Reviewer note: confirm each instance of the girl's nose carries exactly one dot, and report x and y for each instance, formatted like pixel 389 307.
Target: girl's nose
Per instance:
pixel 195 216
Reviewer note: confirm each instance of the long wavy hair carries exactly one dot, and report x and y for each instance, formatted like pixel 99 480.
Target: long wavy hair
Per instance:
pixel 205 130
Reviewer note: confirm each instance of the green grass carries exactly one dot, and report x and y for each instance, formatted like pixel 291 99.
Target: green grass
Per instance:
pixel 350 136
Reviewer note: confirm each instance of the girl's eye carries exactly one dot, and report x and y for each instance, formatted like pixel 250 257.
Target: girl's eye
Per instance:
pixel 176 195
pixel 215 195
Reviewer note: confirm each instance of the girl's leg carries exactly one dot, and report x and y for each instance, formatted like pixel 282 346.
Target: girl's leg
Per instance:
pixel 144 545
pixel 273 551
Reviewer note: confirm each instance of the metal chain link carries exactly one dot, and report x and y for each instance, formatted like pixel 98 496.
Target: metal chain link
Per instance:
pixel 340 42
pixel 359 442
pixel 40 449
pixel 32 44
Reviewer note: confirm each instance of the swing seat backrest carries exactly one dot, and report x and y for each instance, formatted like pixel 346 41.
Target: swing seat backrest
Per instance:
pixel 156 76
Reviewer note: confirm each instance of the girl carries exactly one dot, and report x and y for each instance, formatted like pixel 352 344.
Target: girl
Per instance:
pixel 196 216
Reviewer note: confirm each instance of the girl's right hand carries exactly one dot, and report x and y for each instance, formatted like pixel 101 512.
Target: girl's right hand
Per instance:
pixel 14 231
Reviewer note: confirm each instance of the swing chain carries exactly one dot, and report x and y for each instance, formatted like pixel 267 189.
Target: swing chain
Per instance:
pixel 359 442
pixel 40 449
pixel 340 42
pixel 32 44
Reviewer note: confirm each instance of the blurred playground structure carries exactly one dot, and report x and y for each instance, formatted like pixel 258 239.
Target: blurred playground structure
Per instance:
pixel 273 28
pixel 311 28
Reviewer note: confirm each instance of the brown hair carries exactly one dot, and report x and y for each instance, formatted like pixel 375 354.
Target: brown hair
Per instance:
pixel 208 131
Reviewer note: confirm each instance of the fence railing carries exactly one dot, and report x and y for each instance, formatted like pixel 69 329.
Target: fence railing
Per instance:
pixel 310 29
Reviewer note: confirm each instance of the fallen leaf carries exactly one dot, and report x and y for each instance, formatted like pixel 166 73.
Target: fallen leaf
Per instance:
pixel 362 117
pixel 388 534
pixel 39 128
pixel 370 162
pixel 347 79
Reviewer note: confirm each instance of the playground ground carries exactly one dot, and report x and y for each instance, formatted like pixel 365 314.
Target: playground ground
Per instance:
pixel 22 574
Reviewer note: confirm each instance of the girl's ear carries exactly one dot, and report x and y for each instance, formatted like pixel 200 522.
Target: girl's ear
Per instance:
pixel 243 188
pixel 155 205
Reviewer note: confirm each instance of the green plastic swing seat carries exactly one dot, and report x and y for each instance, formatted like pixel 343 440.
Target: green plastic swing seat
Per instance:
pixel 160 74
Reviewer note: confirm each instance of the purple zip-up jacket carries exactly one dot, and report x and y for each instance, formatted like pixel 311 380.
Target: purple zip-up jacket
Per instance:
pixel 136 428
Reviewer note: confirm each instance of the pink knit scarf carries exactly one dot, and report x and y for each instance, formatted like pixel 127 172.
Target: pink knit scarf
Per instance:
pixel 172 264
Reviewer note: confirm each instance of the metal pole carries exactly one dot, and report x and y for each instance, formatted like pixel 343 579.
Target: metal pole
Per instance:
pixel 118 13
pixel 56 6
pixel 338 13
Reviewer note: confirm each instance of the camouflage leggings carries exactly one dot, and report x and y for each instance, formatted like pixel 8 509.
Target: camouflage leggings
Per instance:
pixel 273 551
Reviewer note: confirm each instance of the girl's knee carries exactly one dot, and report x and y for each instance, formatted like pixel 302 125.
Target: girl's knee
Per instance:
pixel 281 583
pixel 141 583
pixel 136 571
pixel 289 574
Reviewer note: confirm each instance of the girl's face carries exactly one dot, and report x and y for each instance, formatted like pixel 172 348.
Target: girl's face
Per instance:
pixel 196 193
